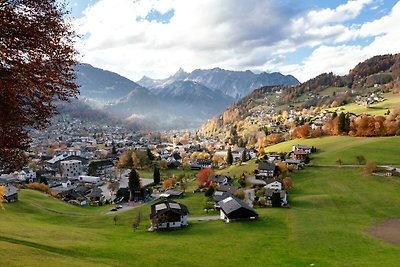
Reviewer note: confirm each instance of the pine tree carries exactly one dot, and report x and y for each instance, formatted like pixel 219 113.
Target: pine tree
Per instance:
pixel 341 123
pixel 156 175
pixel 244 156
pixel 229 157
pixel 134 181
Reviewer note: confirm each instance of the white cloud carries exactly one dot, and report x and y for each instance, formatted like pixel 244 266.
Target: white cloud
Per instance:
pixel 232 34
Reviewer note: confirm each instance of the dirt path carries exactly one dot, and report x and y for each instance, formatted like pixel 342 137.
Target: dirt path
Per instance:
pixel 388 231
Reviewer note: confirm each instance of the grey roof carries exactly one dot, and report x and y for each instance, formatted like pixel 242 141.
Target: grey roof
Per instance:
pixel 269 192
pixel 10 190
pixel 228 188
pixel 220 195
pixel 292 161
pixel 266 165
pixel 168 205
pixel 231 204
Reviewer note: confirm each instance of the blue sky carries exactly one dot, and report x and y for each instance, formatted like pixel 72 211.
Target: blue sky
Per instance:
pixel 302 38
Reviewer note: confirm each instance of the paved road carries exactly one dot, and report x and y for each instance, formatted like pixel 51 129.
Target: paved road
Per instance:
pixel 204 218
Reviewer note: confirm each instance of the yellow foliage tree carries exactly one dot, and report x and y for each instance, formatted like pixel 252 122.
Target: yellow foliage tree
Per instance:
pixel 2 192
pixel 136 161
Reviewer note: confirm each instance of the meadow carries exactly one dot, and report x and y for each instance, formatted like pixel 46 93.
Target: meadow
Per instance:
pixel 331 211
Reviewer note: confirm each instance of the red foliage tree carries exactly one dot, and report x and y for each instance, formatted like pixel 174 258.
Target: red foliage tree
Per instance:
pixel 203 175
pixel 36 58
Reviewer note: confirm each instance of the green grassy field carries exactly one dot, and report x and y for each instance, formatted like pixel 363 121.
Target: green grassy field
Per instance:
pixel 391 102
pixel 381 150
pixel 332 210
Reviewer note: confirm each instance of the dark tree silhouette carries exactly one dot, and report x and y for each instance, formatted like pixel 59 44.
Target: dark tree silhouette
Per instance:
pixel 36 58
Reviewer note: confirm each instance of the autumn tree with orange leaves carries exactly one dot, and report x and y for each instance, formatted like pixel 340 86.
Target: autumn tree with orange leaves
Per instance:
pixel 36 58
pixel 203 176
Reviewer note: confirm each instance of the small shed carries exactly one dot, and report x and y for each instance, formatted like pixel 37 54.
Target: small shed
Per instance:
pixel 11 193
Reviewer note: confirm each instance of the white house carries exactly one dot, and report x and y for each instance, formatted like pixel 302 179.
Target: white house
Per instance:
pixel 274 185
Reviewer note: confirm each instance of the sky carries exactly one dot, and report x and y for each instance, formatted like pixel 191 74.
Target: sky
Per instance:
pixel 303 38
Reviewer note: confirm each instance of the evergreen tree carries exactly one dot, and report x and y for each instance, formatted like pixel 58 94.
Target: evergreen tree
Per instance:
pixel 156 175
pixel 149 154
pixel 229 157
pixel 244 156
pixel 347 123
pixel 341 123
pixel 134 181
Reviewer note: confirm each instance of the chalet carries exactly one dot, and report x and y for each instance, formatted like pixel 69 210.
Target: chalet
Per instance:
pixel 273 184
pixel 293 162
pixel 266 169
pixel 272 157
pixel 11 193
pixel 204 163
pixel 168 214
pixel 228 188
pixel 305 148
pixel 233 208
pixel 218 179
pixel 298 155
pixel 72 195
pixel 276 197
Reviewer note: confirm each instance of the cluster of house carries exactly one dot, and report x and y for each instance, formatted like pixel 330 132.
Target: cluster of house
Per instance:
pixel 168 214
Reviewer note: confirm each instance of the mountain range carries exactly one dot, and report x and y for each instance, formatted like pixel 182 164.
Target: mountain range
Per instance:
pixel 183 100
pixel 235 84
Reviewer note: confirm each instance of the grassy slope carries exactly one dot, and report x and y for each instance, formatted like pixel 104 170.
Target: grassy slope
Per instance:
pixel 332 208
pixel 381 150
pixel 391 102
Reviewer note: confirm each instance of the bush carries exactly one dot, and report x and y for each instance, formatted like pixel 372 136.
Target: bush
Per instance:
pixel 38 187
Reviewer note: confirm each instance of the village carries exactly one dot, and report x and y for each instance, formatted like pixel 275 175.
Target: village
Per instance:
pixel 88 164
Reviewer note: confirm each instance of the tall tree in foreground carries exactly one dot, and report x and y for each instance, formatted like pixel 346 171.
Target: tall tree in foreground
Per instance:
pixel 36 58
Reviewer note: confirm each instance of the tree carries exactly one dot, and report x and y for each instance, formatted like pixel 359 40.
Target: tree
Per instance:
pixel 342 123
pixel 370 167
pixel 210 191
pixel 116 218
pixel 244 156
pixel 156 175
pixel 92 169
pixel 134 181
pixel 37 55
pixel 229 157
pixel 2 192
pixel 150 154
pixel 203 175
pixel 186 163
pixel 360 159
pixel 287 183
pixel 136 221
pixel 168 183
pixel 136 161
